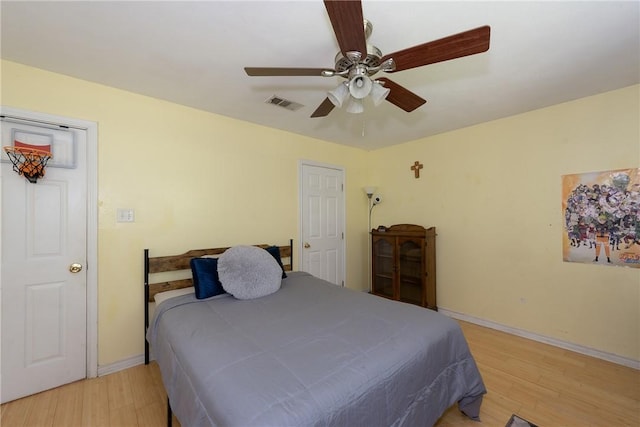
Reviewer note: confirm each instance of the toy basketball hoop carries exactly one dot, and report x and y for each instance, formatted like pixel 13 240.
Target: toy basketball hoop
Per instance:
pixel 28 162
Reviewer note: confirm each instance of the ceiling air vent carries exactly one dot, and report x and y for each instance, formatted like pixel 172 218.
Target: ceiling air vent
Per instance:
pixel 284 103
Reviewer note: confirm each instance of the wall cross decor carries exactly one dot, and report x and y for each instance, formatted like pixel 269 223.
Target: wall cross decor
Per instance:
pixel 416 168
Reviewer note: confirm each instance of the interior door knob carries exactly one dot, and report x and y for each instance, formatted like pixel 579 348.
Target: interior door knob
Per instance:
pixel 306 245
pixel 75 267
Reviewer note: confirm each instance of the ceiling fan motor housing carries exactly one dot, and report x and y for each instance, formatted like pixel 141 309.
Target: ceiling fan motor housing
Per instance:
pixel 372 60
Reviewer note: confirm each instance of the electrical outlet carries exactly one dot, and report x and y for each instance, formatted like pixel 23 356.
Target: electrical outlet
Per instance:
pixel 125 215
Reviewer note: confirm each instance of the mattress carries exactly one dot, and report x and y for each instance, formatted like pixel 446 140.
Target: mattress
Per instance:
pixel 311 354
pixel 160 297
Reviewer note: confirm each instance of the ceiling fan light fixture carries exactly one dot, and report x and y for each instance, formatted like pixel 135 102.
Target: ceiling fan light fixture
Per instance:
pixel 379 93
pixel 360 86
pixel 338 95
pixel 355 106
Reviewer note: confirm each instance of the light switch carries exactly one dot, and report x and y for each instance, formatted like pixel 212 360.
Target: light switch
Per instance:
pixel 125 215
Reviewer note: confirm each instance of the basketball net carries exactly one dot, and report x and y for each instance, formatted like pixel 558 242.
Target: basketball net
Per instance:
pixel 28 162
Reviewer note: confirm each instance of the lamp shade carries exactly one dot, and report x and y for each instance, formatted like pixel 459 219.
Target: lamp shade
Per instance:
pixel 360 86
pixel 379 93
pixel 355 106
pixel 369 191
pixel 338 95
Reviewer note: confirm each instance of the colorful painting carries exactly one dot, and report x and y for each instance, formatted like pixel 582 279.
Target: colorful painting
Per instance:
pixel 602 218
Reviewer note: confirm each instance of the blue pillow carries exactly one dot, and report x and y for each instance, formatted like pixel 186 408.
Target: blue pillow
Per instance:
pixel 205 277
pixel 275 252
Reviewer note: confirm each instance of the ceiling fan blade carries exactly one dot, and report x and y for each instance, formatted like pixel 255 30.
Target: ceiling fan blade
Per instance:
pixel 274 71
pixel 324 109
pixel 348 25
pixel 452 47
pixel 401 97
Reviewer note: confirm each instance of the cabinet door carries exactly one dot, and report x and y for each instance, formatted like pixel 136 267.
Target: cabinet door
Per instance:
pixel 383 267
pixel 411 270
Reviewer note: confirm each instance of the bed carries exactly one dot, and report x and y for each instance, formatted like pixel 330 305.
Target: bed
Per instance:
pixel 309 353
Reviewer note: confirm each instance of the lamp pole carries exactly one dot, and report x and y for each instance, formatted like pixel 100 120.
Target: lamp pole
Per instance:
pixel 369 245
pixel 369 192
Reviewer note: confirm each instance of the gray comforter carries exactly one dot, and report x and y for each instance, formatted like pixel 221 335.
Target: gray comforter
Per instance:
pixel 311 354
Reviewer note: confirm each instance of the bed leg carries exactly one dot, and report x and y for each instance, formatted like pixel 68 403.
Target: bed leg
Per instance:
pixel 169 414
pixel 291 250
pixel 146 305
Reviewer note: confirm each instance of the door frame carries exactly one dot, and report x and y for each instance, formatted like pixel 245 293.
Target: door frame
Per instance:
pixel 92 217
pixel 301 164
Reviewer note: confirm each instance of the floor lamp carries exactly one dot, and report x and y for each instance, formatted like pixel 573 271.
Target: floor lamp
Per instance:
pixel 373 201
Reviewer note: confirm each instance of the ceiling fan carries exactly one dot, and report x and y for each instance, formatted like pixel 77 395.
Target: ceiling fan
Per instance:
pixel 357 61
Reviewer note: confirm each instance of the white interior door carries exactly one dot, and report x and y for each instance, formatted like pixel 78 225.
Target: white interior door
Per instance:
pixel 44 233
pixel 322 222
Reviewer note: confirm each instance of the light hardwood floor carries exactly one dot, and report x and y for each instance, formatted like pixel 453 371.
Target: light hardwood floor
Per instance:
pixel 547 385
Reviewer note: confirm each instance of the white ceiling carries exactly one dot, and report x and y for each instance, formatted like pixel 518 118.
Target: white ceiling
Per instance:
pixel 193 53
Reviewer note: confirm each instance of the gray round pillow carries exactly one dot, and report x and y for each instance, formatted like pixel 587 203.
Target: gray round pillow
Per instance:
pixel 248 272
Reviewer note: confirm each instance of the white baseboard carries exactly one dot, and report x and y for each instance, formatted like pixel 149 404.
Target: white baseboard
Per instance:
pixel 610 357
pixel 121 365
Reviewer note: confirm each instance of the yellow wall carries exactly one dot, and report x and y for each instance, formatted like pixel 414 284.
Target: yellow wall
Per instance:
pixel 194 179
pixel 494 193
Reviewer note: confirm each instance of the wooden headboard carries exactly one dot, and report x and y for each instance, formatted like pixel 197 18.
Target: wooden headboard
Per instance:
pixel 181 263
